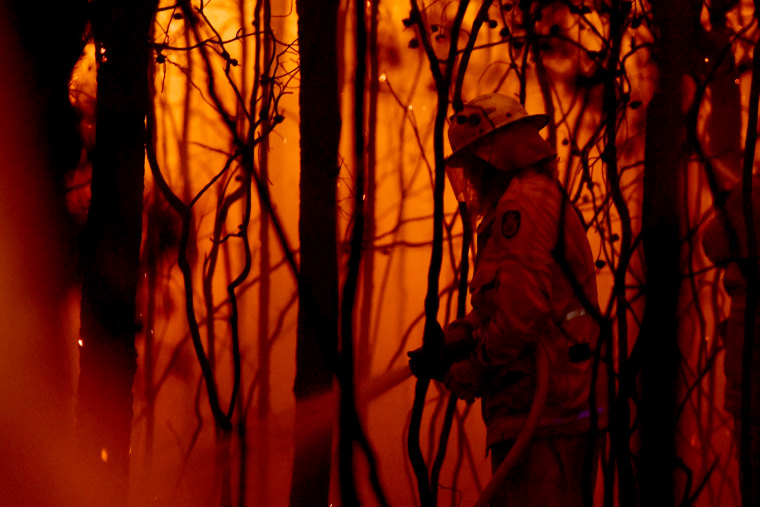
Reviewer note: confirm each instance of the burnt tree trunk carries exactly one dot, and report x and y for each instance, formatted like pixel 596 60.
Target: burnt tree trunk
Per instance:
pixel 661 229
pixel 316 342
pixel 112 249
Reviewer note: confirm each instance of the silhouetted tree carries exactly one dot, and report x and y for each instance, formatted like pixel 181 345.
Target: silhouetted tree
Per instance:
pixel 114 225
pixel 316 341
pixel 661 231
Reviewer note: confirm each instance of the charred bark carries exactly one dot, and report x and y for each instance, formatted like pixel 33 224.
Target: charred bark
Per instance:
pixel 749 431
pixel 112 249
pixel 316 342
pixel 661 230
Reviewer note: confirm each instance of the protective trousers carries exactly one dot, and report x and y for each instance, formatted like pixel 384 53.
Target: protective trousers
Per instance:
pixel 552 471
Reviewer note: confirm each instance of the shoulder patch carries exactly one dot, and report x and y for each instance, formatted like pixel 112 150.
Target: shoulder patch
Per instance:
pixel 510 223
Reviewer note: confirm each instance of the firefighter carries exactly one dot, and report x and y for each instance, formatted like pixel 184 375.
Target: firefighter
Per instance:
pixel 533 285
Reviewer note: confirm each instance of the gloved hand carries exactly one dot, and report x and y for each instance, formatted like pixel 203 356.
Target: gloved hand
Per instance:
pixel 430 362
pixel 442 350
pixel 465 379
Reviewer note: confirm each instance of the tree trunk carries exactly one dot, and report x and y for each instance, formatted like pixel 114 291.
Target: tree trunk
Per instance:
pixel 112 250
pixel 661 223
pixel 316 342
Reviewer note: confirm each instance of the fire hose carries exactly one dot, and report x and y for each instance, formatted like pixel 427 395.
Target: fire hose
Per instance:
pixel 527 429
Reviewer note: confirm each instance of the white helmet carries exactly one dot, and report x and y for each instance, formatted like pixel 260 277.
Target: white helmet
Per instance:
pixel 483 115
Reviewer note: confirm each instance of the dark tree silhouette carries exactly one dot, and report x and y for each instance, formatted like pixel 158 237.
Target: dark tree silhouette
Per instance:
pixel 317 338
pixel 111 256
pixel 661 230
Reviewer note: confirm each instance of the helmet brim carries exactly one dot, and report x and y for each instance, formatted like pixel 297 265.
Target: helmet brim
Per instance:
pixel 460 157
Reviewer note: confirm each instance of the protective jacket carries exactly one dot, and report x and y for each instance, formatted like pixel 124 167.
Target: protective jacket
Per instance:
pixel 532 256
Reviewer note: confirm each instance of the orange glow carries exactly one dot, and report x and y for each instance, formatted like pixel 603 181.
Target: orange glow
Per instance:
pixel 179 455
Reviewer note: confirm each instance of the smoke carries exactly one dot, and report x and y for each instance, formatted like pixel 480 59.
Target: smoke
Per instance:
pixel 36 396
